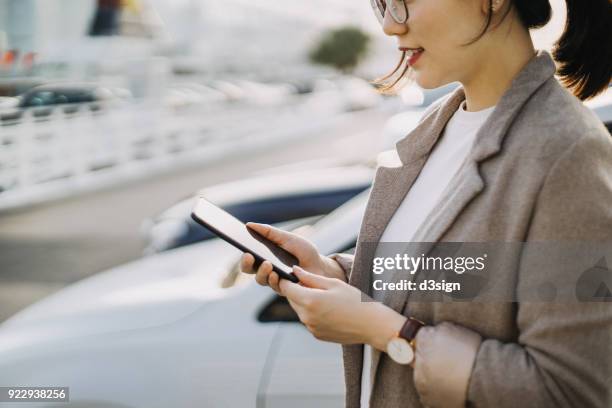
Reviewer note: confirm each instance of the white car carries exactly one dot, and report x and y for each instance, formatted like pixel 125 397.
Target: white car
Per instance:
pixel 183 329
pixel 279 195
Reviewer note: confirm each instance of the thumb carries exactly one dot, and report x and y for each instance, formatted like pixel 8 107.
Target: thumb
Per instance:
pixel 312 280
pixel 292 243
pixel 275 235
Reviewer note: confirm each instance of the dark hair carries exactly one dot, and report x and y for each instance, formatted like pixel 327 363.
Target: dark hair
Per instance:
pixel 583 53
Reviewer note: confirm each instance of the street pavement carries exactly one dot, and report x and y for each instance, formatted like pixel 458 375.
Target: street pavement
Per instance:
pixel 45 248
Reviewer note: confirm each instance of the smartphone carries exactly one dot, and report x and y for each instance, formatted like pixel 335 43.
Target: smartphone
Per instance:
pixel 235 232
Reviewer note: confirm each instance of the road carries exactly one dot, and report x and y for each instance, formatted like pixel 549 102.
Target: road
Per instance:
pixel 45 248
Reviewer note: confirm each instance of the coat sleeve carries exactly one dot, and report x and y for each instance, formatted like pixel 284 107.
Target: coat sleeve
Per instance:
pixel 563 356
pixel 345 261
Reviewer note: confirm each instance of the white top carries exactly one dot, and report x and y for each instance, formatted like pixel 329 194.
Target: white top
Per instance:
pixel 445 159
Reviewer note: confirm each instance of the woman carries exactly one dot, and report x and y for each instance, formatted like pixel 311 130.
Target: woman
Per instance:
pixel 510 156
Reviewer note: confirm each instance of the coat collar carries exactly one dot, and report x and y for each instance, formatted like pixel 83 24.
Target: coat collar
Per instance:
pixel 392 184
pixel 488 141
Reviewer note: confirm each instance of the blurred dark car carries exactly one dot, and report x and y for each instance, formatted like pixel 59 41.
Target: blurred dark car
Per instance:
pixel 43 99
pixel 269 198
pixel 11 87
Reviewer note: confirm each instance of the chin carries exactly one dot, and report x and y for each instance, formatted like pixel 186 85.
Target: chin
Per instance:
pixel 428 81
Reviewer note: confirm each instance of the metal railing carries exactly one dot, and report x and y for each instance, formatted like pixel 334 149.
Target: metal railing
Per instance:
pixel 64 152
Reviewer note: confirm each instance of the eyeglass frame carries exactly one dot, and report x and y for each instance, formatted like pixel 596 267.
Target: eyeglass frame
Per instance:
pixel 380 7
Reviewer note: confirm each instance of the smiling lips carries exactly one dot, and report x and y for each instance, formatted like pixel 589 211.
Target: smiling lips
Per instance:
pixel 413 53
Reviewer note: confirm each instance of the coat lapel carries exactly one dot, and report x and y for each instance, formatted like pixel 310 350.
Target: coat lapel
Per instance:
pixel 466 184
pixel 391 184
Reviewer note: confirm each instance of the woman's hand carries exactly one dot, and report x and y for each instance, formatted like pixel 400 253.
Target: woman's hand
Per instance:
pixel 306 253
pixel 332 310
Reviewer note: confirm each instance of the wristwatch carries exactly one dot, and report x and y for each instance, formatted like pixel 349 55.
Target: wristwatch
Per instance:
pixel 401 346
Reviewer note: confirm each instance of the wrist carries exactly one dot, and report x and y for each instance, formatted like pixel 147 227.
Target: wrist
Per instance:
pixel 384 325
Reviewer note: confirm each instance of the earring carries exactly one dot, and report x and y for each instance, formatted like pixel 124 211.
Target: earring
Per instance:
pixel 496 4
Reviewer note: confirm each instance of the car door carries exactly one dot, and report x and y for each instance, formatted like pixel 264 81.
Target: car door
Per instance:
pixel 300 371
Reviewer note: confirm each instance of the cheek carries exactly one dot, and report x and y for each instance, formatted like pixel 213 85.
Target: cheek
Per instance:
pixel 442 26
pixel 433 72
pixel 445 60
pixel 429 23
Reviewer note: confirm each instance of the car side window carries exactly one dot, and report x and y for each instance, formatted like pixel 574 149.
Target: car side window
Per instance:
pixel 61 98
pixel 41 98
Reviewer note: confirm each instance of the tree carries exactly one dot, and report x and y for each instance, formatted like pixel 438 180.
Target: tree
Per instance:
pixel 343 48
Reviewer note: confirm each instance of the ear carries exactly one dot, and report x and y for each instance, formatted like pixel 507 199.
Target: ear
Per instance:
pixel 494 4
pixel 497 5
pixel 484 6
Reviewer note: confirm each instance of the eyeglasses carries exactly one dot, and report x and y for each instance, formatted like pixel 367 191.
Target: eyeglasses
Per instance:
pixel 397 9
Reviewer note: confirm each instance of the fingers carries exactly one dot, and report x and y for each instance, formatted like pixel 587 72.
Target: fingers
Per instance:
pixel 286 240
pixel 274 281
pixel 273 234
pixel 311 280
pixel 263 271
pixel 266 276
pixel 246 263
pixel 300 293
pixel 293 291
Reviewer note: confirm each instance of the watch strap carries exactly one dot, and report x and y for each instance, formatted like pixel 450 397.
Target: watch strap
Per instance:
pixel 410 329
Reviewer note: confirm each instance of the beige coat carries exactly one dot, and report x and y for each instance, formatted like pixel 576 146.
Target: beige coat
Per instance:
pixel 540 170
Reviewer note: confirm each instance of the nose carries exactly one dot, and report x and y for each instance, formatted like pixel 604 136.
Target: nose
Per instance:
pixel 392 27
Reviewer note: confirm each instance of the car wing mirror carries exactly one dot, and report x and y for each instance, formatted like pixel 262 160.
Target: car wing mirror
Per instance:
pixel 277 309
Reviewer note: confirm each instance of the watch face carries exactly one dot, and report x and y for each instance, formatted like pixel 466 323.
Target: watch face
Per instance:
pixel 400 351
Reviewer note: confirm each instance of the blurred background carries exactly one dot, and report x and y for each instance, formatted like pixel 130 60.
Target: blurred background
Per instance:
pixel 114 115
pixel 112 110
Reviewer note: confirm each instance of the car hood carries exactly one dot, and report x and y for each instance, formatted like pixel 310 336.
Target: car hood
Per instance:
pixel 149 292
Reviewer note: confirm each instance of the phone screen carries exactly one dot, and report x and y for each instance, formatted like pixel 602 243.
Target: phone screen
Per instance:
pixel 234 231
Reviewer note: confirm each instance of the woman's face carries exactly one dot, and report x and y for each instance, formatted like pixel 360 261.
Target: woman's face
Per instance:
pixel 440 27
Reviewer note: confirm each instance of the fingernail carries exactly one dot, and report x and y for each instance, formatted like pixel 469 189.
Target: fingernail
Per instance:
pixel 297 269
